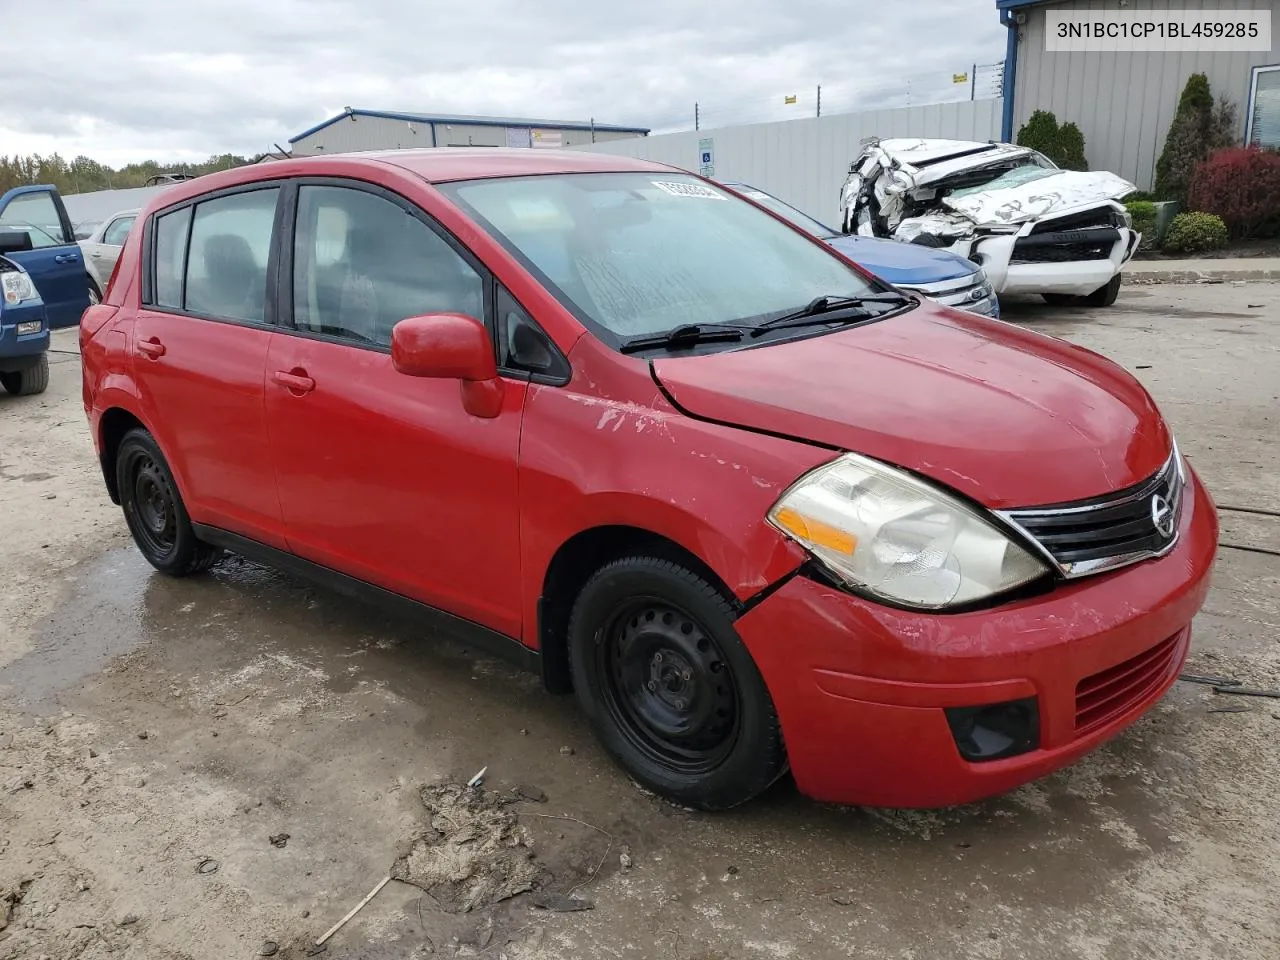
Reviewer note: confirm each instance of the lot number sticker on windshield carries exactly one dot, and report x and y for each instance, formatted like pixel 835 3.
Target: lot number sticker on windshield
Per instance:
pixel 687 189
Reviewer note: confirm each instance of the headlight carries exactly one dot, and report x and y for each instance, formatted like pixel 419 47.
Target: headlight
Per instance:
pixel 884 532
pixel 17 287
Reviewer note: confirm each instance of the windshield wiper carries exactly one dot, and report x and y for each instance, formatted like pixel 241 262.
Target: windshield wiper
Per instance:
pixel 687 334
pixel 824 310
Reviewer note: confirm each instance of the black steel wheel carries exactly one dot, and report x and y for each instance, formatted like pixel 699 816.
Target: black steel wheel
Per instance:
pixel 669 688
pixel 154 511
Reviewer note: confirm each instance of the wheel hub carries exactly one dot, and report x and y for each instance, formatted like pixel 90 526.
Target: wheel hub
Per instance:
pixel 669 686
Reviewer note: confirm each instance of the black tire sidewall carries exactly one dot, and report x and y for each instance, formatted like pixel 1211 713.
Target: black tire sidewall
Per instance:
pixel 183 556
pixel 757 757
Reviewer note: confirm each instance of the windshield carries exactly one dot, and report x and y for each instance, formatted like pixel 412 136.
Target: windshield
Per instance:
pixel 641 253
pixel 801 220
pixel 1010 178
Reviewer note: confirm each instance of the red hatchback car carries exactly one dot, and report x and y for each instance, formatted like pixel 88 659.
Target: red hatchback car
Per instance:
pixel 758 509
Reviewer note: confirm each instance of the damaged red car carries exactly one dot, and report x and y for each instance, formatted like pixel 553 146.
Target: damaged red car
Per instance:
pixel 758 510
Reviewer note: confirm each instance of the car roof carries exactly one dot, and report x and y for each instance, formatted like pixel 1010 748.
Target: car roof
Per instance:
pixel 444 164
pixel 433 164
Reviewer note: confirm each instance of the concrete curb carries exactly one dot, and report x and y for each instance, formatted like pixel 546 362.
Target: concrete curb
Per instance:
pixel 1173 274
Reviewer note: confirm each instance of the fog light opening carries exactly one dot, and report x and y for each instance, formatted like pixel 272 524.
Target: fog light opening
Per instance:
pixel 995 731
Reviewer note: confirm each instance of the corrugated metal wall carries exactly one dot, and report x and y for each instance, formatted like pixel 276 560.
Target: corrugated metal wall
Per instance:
pixel 804 162
pixel 1124 102
pixel 380 133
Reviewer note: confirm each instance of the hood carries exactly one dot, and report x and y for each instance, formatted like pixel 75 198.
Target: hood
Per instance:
pixel 903 264
pixel 929 160
pixel 1007 417
pixel 1060 192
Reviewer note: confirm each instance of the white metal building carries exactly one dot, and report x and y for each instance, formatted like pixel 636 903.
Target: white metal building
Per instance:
pixel 1124 101
pixel 355 130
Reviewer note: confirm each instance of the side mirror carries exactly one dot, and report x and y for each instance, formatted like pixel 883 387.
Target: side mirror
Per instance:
pixel 450 346
pixel 14 241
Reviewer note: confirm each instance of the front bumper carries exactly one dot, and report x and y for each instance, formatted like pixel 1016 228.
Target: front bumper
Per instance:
pixel 1074 277
pixel 20 350
pixel 861 689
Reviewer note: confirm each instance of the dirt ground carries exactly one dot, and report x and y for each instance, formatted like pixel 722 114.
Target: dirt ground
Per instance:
pixel 156 734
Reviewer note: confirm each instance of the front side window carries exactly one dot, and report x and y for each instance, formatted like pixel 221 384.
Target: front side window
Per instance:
pixel 227 259
pixel 118 232
pixel 37 215
pixel 362 264
pixel 640 253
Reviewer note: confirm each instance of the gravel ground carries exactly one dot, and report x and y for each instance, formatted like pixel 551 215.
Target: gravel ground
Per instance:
pixel 158 737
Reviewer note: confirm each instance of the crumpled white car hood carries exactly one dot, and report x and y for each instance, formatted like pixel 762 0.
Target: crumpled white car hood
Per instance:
pixel 1060 192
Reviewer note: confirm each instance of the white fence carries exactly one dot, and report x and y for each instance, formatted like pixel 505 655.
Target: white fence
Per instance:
pixel 804 162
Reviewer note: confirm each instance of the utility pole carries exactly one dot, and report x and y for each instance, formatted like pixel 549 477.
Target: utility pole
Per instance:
pixel 819 100
pixel 696 125
pixel 593 129
pixel 973 81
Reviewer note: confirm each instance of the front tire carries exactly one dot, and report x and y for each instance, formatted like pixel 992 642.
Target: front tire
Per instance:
pixel 154 511
pixel 669 688
pixel 1104 296
pixel 29 380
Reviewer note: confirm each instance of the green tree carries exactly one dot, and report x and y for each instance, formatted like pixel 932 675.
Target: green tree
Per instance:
pixel 1197 129
pixel 85 175
pixel 1064 145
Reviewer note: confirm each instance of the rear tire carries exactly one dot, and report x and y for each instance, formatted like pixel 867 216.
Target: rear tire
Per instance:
pixel 154 510
pixel 95 294
pixel 669 688
pixel 28 381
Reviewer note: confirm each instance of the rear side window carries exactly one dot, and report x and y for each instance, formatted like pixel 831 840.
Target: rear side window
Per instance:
pixel 227 258
pixel 171 256
pixel 118 232
pixel 362 264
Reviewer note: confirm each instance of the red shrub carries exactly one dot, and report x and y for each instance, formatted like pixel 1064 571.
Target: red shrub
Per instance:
pixel 1241 185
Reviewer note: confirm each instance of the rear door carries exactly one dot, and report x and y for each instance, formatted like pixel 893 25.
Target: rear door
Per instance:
pixel 200 348
pixel 54 261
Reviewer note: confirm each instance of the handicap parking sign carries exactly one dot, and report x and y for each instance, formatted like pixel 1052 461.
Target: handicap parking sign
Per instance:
pixel 706 156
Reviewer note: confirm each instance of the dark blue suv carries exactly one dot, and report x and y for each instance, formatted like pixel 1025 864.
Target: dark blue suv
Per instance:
pixel 43 283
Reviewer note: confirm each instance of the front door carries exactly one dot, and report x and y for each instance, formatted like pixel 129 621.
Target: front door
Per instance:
pixel 54 260
pixel 199 357
pixel 382 476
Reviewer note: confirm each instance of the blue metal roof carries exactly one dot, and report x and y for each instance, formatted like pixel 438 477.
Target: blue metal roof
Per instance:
pixel 1015 4
pixel 474 121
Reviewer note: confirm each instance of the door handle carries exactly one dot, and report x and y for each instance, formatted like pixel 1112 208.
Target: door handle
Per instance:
pixel 97 256
pixel 153 348
pixel 65 258
pixel 295 381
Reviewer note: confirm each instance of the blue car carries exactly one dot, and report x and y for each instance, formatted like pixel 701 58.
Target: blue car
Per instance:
pixel 38 236
pixel 24 332
pixel 937 274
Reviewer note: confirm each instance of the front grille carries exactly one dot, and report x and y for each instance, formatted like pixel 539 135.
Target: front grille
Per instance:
pixel 1109 531
pixel 1111 693
pixel 1066 246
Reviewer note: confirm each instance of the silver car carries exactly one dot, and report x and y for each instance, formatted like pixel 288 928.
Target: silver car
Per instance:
pixel 102 250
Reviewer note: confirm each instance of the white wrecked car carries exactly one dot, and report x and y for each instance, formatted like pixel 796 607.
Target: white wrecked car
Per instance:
pixel 1033 227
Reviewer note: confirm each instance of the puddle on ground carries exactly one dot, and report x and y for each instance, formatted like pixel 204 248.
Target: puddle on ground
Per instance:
pixel 99 619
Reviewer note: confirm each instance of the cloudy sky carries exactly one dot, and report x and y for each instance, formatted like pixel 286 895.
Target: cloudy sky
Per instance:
pixel 182 79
